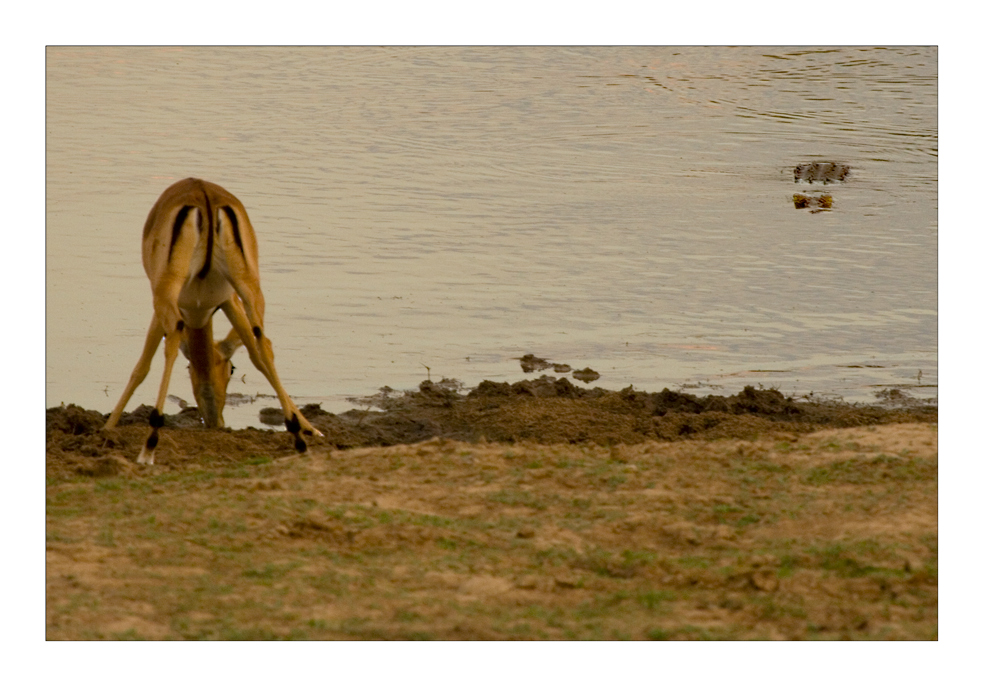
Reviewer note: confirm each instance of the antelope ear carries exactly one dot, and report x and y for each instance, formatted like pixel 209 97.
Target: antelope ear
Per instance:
pixel 230 344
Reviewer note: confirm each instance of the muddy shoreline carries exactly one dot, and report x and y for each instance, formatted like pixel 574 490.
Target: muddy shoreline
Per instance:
pixel 545 410
pixel 534 510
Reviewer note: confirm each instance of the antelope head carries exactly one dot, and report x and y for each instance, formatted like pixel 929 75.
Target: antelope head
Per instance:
pixel 211 368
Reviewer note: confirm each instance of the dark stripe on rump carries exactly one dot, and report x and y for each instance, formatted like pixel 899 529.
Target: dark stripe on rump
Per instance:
pixel 211 237
pixel 176 229
pixel 234 221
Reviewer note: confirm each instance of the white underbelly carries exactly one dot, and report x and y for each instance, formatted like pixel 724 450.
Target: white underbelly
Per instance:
pixel 200 297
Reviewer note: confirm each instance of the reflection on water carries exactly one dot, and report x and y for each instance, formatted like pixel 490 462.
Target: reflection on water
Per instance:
pixel 452 209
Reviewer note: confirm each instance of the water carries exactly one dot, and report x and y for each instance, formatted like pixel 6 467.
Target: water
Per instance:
pixel 444 211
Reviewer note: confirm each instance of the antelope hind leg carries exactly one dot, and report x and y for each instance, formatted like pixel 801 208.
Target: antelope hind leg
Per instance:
pixel 261 353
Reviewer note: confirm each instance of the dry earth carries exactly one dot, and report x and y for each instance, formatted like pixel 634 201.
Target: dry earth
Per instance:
pixel 558 518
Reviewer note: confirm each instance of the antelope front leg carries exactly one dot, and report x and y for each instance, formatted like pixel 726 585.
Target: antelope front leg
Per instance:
pixel 154 335
pixel 261 353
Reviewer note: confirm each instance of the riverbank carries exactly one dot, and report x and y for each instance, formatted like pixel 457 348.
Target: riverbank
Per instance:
pixel 594 516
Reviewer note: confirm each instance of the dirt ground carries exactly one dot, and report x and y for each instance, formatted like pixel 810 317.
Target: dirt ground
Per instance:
pixel 536 510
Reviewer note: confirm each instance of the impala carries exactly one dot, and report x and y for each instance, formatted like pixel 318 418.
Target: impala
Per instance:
pixel 200 254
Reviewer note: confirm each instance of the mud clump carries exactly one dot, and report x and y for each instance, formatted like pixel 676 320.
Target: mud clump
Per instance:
pixel 531 363
pixel 544 387
pixel 587 375
pixel 72 419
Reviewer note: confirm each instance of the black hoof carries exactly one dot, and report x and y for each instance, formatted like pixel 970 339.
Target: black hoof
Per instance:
pixel 300 445
pixel 293 424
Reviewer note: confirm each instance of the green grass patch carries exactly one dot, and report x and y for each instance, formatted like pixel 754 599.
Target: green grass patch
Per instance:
pixel 881 469
pixel 268 573
pixel 653 599
pixel 518 497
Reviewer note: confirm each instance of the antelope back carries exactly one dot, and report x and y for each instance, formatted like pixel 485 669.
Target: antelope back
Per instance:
pixel 192 222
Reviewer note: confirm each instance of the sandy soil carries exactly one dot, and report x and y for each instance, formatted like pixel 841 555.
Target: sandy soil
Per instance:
pixel 529 511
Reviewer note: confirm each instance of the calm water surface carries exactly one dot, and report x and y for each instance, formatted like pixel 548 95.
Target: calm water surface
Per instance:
pixel 628 209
